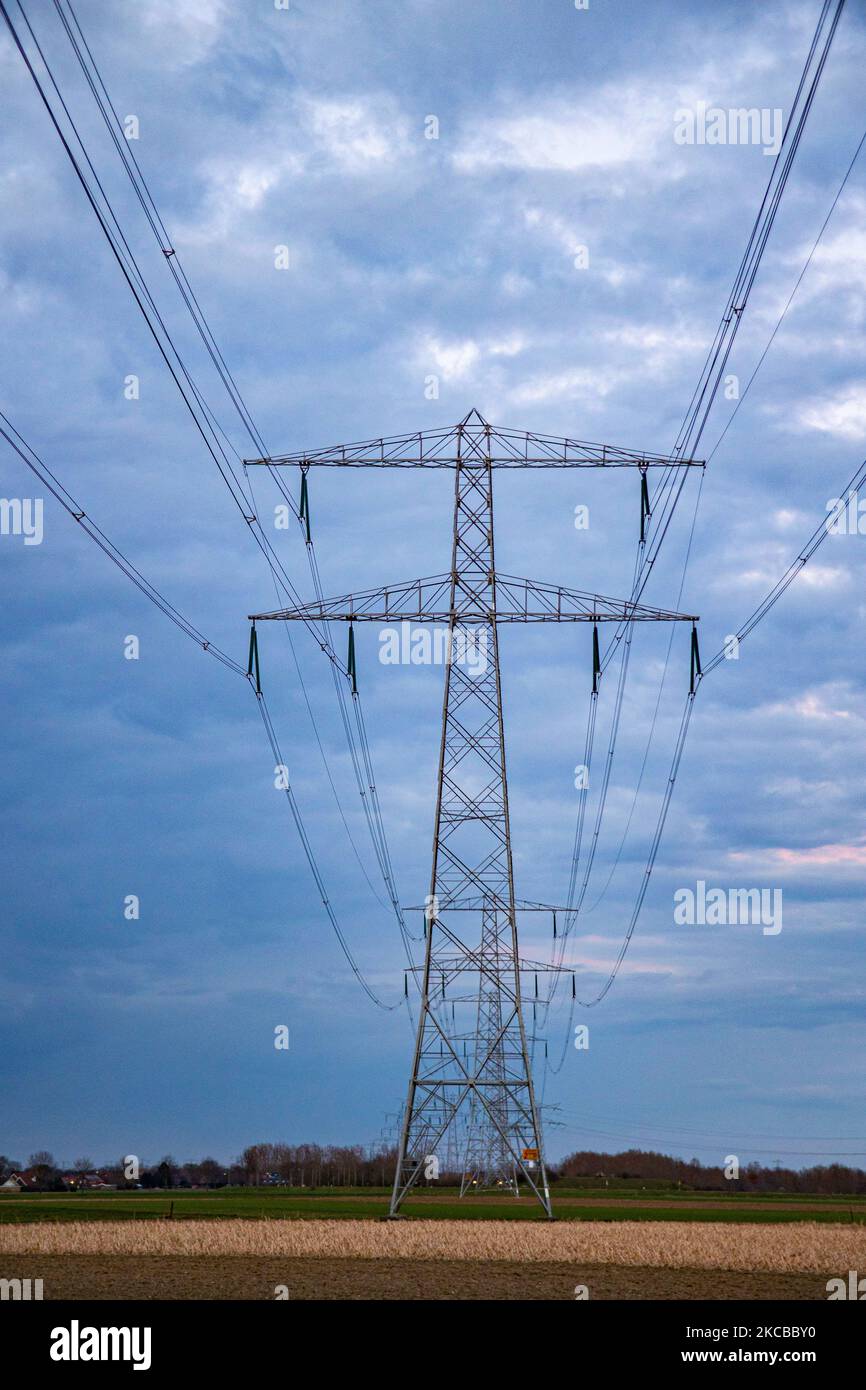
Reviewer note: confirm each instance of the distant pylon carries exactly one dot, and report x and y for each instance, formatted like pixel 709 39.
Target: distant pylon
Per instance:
pixel 488 1160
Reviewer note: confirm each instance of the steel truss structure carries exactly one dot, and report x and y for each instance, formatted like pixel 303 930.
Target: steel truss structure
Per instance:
pixel 471 1047
pixel 502 448
pixel 488 1160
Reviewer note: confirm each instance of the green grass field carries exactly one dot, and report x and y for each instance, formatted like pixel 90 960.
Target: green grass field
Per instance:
pixel 570 1203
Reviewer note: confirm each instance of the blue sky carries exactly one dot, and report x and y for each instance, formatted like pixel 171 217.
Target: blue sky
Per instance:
pixel 412 257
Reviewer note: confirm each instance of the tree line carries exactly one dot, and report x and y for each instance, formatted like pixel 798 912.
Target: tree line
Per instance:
pixel 328 1165
pixel 300 1165
pixel 752 1177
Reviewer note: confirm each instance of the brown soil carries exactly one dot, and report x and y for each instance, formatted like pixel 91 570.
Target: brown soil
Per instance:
pixel 75 1277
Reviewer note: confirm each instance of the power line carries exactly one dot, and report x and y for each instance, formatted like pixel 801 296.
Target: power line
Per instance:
pixel 50 481
pixel 710 456
pixel 684 1132
pixel 791 296
pixel 669 490
pixel 94 79
pixel 549 1068
pixel 142 295
pixel 767 1153
pixel 643 766
pixel 314 869
pixel 360 762
pixel 817 538
pixel 701 406
pixel 691 431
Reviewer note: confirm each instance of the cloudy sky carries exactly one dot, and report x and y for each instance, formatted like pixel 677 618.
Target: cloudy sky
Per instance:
pixel 456 258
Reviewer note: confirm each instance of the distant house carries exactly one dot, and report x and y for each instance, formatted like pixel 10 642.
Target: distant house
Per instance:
pixel 20 1182
pixel 87 1182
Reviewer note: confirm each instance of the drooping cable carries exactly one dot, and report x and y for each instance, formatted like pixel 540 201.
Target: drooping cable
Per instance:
pixel 311 860
pixel 52 483
pixel 669 489
pixel 772 338
pixel 138 286
pixel 817 538
pixel 111 119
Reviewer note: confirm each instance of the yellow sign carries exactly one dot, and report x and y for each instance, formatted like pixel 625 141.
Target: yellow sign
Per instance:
pixel 531 1155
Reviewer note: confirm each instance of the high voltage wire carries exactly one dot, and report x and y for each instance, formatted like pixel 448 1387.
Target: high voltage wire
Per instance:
pixel 361 762
pixel 50 481
pixel 326 903
pixel 605 781
pixel 643 766
pixel 151 212
pixel 325 763
pixel 765 1153
pixel 166 346
pixel 129 268
pixel 654 846
pixel 669 489
pixel 111 119
pixel 551 993
pixel 688 439
pixel 817 538
pixel 704 395
pixel 701 399
pixel 790 300
pixel 692 428
pixel 684 1133
pixel 369 801
pixel 137 284
pixel 573 909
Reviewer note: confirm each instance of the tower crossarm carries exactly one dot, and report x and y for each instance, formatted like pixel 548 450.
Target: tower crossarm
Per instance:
pixel 469 960
pixel 470 904
pixel 474 443
pixel 517 601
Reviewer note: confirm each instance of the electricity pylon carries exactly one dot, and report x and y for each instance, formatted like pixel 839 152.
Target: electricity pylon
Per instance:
pixel 488 1161
pixel 472 873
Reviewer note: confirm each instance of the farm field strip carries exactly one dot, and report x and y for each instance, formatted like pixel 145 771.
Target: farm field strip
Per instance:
pixel 35 1208
pixel 179 1277
pixel 800 1247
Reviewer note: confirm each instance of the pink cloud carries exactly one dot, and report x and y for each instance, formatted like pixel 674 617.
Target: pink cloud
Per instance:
pixel 823 854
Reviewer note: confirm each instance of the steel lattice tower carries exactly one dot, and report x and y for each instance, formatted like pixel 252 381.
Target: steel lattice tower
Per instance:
pixel 472 864
pixel 488 1160
pixel 477 1058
